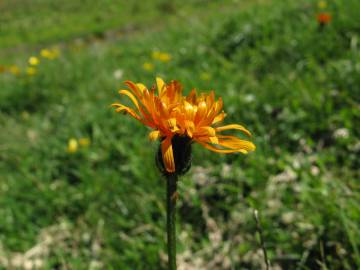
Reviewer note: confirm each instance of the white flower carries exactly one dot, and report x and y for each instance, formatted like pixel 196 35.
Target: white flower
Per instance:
pixel 341 133
pixel 118 73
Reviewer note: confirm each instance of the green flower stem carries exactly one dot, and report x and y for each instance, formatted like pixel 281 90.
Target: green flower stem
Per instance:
pixel 171 197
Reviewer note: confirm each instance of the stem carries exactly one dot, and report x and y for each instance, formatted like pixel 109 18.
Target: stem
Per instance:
pixel 262 242
pixel 171 197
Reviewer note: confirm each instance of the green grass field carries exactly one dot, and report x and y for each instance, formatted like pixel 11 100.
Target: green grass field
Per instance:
pixel 293 83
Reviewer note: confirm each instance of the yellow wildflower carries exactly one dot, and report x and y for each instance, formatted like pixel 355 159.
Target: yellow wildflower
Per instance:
pixel 161 56
pixel 30 71
pixel 72 145
pixel 84 142
pixel 45 53
pixel 148 66
pixel 50 54
pixel 175 117
pixel 14 69
pixel 155 55
pixel 34 61
pixel 322 4
pixel 164 57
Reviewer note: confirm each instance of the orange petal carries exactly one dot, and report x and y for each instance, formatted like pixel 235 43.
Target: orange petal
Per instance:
pixel 192 97
pixel 205 131
pixel 234 126
pixel 201 111
pixel 134 88
pixel 120 108
pixel 219 118
pixel 168 155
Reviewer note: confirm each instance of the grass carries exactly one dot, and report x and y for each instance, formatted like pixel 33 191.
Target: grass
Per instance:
pixel 293 84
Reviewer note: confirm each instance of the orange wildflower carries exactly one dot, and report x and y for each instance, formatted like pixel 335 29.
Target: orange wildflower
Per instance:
pixel 172 115
pixel 2 69
pixel 324 18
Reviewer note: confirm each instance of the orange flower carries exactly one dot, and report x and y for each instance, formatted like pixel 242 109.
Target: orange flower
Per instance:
pixel 170 115
pixel 323 18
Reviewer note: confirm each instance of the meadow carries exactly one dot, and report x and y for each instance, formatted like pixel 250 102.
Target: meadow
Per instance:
pixel 79 188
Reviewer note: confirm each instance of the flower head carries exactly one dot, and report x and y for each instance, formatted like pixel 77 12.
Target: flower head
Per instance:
pixel 72 146
pixel 322 4
pixel 161 56
pixel 34 61
pixel 31 71
pixel 148 66
pixel 323 18
pixel 174 117
pixel 50 53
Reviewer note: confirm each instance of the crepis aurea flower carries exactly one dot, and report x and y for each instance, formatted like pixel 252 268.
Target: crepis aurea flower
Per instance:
pixel 34 61
pixel 72 146
pixel 50 53
pixel 323 18
pixel 161 56
pixel 31 71
pixel 322 4
pixel 148 66
pixel 179 120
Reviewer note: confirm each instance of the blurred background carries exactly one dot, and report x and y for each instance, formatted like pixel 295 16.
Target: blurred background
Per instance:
pixel 78 184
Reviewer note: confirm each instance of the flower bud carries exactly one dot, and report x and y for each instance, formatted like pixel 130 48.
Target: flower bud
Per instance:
pixel 182 156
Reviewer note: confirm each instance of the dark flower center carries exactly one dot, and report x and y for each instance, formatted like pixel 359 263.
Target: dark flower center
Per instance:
pixel 182 155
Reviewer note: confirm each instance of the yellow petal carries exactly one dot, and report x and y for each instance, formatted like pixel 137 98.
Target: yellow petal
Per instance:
pixel 224 151
pixel 141 87
pixel 190 127
pixel 207 139
pixel 219 118
pixel 229 144
pixel 172 124
pixel 120 108
pixel 205 131
pixel 214 140
pixel 189 110
pixel 134 88
pixel 236 143
pixel 168 155
pixel 160 85
pixel 154 135
pixel 201 111
pixel 131 96
pixel 234 126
